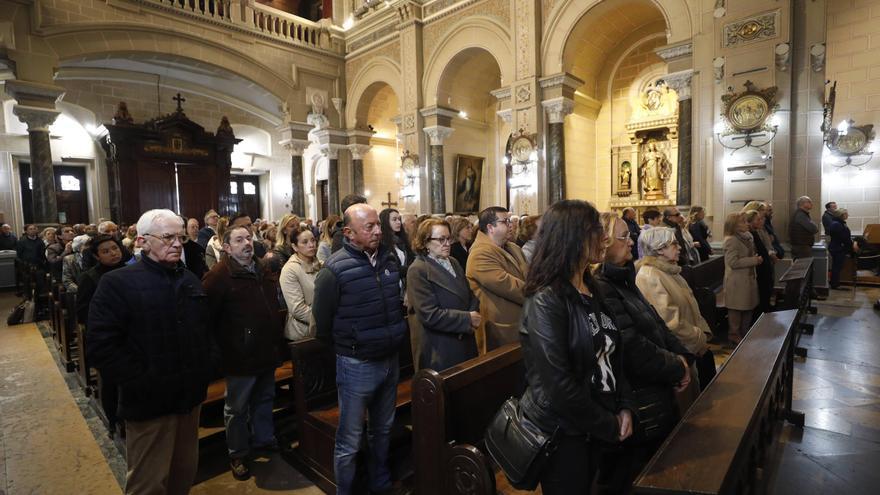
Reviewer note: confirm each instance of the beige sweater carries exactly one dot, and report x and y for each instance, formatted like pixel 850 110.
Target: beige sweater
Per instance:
pixel 298 287
pixel 663 286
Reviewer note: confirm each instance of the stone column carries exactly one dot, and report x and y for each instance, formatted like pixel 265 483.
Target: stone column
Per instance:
pixel 357 166
pixel 556 109
pixel 38 120
pixel 297 185
pixel 681 83
pixel 332 154
pixel 436 135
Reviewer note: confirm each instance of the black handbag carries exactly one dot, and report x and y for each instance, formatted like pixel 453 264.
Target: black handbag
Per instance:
pixel 517 446
pixel 656 411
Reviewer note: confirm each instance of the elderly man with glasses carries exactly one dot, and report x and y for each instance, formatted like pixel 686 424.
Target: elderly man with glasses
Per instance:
pixel 673 219
pixel 496 272
pixel 148 332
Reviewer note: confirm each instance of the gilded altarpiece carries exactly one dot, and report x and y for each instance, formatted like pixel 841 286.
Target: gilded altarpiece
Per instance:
pixel 644 171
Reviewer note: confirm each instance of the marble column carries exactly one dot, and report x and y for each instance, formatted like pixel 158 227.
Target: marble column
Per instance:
pixel 556 109
pixel 681 83
pixel 297 185
pixel 357 166
pixel 332 155
pixel 437 177
pixel 38 120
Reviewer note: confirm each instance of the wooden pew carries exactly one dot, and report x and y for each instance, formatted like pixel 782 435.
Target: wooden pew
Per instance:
pixel 317 411
pixel 65 313
pixel 86 376
pixel 723 442
pixel 798 280
pixel 451 411
pixel 217 388
pixel 706 280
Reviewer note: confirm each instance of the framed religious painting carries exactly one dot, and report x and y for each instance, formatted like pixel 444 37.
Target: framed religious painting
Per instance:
pixel 468 183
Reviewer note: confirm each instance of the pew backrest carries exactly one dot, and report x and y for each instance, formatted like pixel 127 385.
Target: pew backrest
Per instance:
pixel 724 439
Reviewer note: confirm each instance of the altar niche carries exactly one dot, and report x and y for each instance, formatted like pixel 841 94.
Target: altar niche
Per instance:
pixel 644 171
pixel 167 162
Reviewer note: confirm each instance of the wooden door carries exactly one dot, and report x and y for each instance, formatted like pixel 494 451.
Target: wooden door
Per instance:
pixel 197 189
pixel 156 188
pixel 71 190
pixel 244 195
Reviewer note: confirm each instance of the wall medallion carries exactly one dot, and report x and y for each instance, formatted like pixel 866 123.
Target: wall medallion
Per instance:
pixel 751 30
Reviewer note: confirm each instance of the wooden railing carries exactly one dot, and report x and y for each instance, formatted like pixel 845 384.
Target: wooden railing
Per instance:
pixel 257 18
pixel 725 441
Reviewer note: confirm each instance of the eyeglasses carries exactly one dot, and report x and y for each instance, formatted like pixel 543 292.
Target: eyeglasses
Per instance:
pixel 168 239
pixel 622 237
pixel 505 221
pixel 676 214
pixel 441 240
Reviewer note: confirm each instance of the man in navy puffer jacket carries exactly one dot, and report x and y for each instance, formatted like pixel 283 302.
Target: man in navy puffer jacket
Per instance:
pixel 357 308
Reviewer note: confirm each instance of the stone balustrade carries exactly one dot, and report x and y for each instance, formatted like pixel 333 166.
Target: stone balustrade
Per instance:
pixel 258 18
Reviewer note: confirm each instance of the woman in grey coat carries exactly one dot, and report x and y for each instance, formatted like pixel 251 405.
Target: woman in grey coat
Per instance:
pixel 444 308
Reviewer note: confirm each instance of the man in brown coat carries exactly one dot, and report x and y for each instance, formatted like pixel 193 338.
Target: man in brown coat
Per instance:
pixel 496 271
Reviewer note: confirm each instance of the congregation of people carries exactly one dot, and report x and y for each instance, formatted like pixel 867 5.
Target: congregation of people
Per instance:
pixel 597 300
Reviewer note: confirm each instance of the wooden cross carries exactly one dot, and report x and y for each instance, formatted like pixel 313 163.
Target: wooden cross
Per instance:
pixel 179 99
pixel 389 203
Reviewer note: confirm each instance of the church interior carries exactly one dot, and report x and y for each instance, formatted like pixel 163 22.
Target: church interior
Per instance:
pixel 446 107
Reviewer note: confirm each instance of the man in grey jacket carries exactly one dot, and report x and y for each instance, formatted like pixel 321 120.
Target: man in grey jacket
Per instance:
pixel 802 229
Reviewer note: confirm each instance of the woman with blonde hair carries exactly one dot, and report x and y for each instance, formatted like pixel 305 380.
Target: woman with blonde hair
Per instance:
pixel 282 250
pixel 215 246
pixel 740 280
pixel 325 245
pixel 462 231
pixel 528 227
pixel 660 281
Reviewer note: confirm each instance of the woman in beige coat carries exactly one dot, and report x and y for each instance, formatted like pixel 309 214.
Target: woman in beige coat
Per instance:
pixel 659 278
pixel 298 283
pixel 740 283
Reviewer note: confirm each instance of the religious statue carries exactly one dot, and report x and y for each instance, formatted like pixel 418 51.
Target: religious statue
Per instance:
pixel 625 176
pixel 655 171
pixel 225 129
pixel 122 117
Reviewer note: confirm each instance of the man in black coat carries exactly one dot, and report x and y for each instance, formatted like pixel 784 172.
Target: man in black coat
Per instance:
pixel 7 238
pixel 336 230
pixel 246 320
pixel 629 216
pixel 209 230
pixel 148 331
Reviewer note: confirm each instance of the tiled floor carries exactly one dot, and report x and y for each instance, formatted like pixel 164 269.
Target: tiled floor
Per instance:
pixel 46 445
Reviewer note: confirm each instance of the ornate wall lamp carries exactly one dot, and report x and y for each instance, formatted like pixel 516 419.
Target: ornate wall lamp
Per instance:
pixel 847 141
pixel 749 120
pixel 523 159
pixel 408 176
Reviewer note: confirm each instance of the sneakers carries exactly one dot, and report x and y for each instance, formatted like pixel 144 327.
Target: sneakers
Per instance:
pixel 240 469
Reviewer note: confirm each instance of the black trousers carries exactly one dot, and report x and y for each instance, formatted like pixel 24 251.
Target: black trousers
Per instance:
pixel 706 368
pixel 570 470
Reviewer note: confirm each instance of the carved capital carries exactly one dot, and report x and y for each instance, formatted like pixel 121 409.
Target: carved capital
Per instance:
pixel 295 147
pixel 331 151
pixel 437 134
pixel 681 83
pixel 674 52
pixel 557 109
pixel 36 118
pixel 358 150
pixel 501 94
pixel 506 115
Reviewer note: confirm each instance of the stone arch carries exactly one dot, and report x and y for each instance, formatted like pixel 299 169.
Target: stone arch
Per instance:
pixel 375 74
pixel 473 32
pixel 568 13
pixel 79 42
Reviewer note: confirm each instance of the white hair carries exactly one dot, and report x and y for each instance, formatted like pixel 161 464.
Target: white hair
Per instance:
pixel 653 240
pixel 102 227
pixel 803 199
pixel 78 242
pixel 147 222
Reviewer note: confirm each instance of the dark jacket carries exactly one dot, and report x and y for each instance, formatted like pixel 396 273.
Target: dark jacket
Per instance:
pixel 442 305
pixel 32 251
pixel 245 317
pixel 650 349
pixel 827 221
pixel 634 231
pixel 460 254
pixel 205 235
pixel 277 257
pixel 802 230
pixel 700 232
pixel 357 306
pixel 337 237
pixel 8 242
pixel 777 246
pixel 86 285
pixel 148 331
pixel 683 257
pixel 560 362
pixel 765 273
pixel 195 258
pixel 841 238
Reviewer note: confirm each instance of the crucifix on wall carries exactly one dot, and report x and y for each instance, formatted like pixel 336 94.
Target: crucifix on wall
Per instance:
pixel 389 203
pixel 179 99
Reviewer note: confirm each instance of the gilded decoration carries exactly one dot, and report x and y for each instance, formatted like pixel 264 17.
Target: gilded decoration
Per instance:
pixel 751 30
pixel 748 111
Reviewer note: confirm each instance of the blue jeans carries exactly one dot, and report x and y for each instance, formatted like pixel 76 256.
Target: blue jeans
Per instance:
pixel 248 410
pixel 364 387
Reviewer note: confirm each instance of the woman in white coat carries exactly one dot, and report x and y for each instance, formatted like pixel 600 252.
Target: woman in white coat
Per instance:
pixel 298 283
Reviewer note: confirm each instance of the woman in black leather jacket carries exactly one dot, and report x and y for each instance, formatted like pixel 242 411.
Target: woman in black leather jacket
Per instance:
pixel 654 361
pixel 571 349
